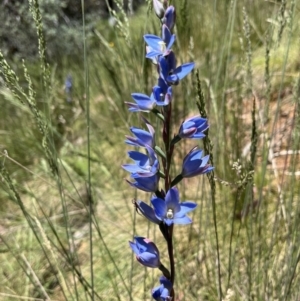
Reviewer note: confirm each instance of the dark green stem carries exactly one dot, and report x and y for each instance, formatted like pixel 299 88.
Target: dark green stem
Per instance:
pixel 169 147
pixel 171 253
pixel 176 180
pixel 165 271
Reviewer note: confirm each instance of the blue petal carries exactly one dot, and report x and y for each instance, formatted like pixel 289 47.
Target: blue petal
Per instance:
pixel 165 293
pixel 163 85
pixel 150 128
pixel 187 133
pixel 171 41
pixel 148 259
pixel 160 207
pixel 144 137
pixel 134 248
pixel 208 169
pixel 148 184
pixel 157 291
pixel 148 212
pixel 163 68
pixel 191 167
pixel 140 243
pixel 140 97
pixel 143 173
pixel 185 207
pixel 152 54
pixel 143 101
pixel 173 79
pixel 182 220
pixel 171 61
pixel 198 136
pixel 205 160
pixel 170 16
pixel 154 42
pixel 167 37
pixel 172 200
pixel 188 123
pixel 133 141
pixel 166 282
pixel 158 94
pixel 132 168
pixel 192 155
pixel 180 72
pixel 138 157
pixel 133 107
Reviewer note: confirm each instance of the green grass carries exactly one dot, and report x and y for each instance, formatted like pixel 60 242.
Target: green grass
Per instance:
pixel 53 198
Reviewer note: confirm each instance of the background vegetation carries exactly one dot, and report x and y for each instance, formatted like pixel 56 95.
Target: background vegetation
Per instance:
pixel 66 213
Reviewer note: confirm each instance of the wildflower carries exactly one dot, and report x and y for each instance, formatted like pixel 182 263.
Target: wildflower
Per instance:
pixel 144 103
pixel 142 137
pixel 161 98
pixel 162 292
pixel 193 128
pixel 171 74
pixel 170 211
pixel 146 252
pixel 194 164
pixel 159 46
pixel 148 184
pixel 146 165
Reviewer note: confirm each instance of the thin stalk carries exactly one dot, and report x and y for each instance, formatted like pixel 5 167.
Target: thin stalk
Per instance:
pixel 89 184
pixel 168 149
pixel 211 178
pixel 166 165
pixel 171 253
pixel 171 257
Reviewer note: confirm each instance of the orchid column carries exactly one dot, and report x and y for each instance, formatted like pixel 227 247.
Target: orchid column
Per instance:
pixel 150 170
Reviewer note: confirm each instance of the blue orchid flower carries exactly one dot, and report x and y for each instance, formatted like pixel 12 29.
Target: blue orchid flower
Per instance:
pixel 161 98
pixel 146 165
pixel 159 46
pixel 193 128
pixel 144 103
pixel 146 252
pixel 162 292
pixel 194 165
pixel 170 211
pixel 169 73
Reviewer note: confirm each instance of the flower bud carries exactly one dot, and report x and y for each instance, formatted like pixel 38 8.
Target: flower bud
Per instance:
pixel 170 17
pixel 194 164
pixel 158 8
pixel 146 252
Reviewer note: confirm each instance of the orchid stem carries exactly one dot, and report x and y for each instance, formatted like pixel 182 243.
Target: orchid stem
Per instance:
pixel 171 257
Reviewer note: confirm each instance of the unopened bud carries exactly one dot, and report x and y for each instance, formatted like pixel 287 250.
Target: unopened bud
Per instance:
pixel 170 17
pixel 158 8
